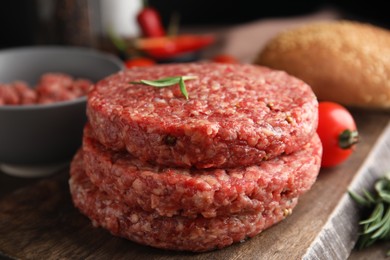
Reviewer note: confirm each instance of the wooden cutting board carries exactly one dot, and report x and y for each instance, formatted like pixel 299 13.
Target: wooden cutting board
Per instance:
pixel 39 221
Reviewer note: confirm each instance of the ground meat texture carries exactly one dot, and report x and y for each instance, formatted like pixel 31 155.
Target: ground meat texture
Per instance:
pixel 8 95
pixel 51 88
pixel 17 93
pixel 80 87
pixel 175 233
pixel 55 87
pixel 26 94
pixel 237 114
pixel 209 192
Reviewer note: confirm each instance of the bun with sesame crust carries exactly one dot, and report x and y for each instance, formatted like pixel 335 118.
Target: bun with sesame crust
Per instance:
pixel 343 61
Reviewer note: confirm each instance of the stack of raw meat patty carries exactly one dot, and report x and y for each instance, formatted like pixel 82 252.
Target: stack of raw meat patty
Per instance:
pixel 201 173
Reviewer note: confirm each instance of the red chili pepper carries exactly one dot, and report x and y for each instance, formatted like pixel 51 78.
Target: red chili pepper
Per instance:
pixel 139 62
pixel 150 22
pixel 169 47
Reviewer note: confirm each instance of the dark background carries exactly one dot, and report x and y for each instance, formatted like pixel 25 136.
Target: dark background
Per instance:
pixel 19 25
pixel 238 11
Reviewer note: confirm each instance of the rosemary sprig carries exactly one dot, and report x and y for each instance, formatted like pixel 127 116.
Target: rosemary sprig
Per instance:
pixel 167 82
pixel 377 225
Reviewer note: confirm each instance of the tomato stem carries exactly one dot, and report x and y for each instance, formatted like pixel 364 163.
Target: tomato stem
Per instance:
pixel 348 138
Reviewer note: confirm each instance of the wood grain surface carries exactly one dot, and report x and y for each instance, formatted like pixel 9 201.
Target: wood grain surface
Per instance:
pixel 38 220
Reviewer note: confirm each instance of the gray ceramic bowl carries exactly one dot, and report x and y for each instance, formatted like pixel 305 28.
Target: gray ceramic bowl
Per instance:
pixel 41 136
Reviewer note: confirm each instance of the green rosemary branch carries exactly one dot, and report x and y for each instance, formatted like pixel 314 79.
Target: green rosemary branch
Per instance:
pixel 377 226
pixel 167 82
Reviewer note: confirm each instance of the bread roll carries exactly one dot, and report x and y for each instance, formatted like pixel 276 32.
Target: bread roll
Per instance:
pixel 343 61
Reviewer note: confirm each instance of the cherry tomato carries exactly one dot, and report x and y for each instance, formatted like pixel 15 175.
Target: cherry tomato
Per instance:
pixel 338 133
pixel 150 23
pixel 224 58
pixel 139 62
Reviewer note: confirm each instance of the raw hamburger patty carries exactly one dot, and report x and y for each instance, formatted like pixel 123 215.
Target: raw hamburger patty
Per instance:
pixel 209 192
pixel 236 115
pixel 175 233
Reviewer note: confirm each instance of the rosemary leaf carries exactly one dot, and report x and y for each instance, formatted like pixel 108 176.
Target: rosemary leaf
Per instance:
pixel 189 77
pixel 358 199
pixel 378 211
pixel 380 185
pixel 161 83
pixel 377 226
pixel 369 196
pixel 384 227
pixel 167 82
pixel 384 195
pixel 183 88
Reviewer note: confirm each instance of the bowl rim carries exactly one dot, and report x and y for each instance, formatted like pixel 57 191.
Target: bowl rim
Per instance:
pixel 50 48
